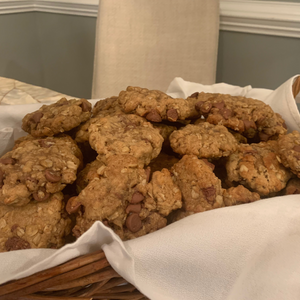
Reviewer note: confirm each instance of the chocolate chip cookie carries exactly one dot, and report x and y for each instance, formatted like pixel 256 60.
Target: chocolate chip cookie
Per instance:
pixel 58 117
pixel 258 167
pixel 35 225
pixel 289 151
pixel 201 189
pixel 239 195
pixel 203 140
pixel 250 117
pixel 125 134
pixel 155 105
pixel 120 196
pixel 37 168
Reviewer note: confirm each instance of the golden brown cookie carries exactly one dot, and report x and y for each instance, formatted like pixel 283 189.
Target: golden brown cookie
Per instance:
pixel 239 195
pixel 58 117
pixel 258 167
pixel 289 151
pixel 37 168
pixel 155 105
pixel 125 134
pixel 120 196
pixel 248 116
pixel 203 140
pixel 201 189
pixel 35 225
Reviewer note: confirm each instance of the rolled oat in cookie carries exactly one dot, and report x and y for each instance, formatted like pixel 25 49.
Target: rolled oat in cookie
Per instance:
pixel 239 195
pixel 258 167
pixel 201 189
pixel 125 134
pixel 35 225
pixel 58 117
pixel 250 117
pixel 37 168
pixel 203 140
pixel 289 151
pixel 155 105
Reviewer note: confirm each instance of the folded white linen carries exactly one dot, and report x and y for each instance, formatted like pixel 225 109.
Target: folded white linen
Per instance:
pixel 250 251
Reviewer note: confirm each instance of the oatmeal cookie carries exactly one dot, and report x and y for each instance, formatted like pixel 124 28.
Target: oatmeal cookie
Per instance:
pixel 121 197
pixel 203 140
pixel 155 105
pixel 125 134
pixel 35 225
pixel 58 117
pixel 37 168
pixel 239 195
pixel 201 189
pixel 289 151
pixel 258 167
pixel 120 183
pixel 248 116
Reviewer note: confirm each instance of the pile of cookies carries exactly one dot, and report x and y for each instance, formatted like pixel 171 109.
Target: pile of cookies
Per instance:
pixel 139 161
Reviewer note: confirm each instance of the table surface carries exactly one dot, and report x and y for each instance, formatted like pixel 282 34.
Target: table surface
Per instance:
pixel 16 92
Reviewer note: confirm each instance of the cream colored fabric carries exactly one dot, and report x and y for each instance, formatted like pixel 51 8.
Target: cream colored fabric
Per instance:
pixel 147 43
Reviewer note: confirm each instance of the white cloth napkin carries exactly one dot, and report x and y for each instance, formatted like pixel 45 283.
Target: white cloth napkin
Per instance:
pixel 250 251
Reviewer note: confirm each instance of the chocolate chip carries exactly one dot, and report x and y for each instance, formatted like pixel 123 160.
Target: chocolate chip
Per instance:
pixel 85 106
pixel 137 197
pixel 7 161
pixel 198 105
pixel 133 222
pixel 148 173
pixel 194 95
pixel 284 125
pixel 153 116
pixel 263 136
pixel 212 166
pixel 249 124
pixel 219 105
pixel 297 148
pixel 209 193
pixel 14 227
pixel 134 208
pixel 36 117
pixel 41 195
pixel 172 115
pixel 206 107
pixel 226 113
pixel 16 243
pixel 73 205
pixel 52 176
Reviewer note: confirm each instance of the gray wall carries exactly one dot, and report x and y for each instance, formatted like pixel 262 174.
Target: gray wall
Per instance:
pixel 50 50
pixel 57 51
pixel 259 60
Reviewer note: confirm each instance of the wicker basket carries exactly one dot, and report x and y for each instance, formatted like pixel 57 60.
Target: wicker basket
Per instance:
pixel 86 277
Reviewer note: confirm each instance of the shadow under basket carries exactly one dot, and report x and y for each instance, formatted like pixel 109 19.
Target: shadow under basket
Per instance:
pixel 86 277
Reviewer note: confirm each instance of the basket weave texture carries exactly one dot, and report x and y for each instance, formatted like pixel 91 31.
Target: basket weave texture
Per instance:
pixel 86 277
